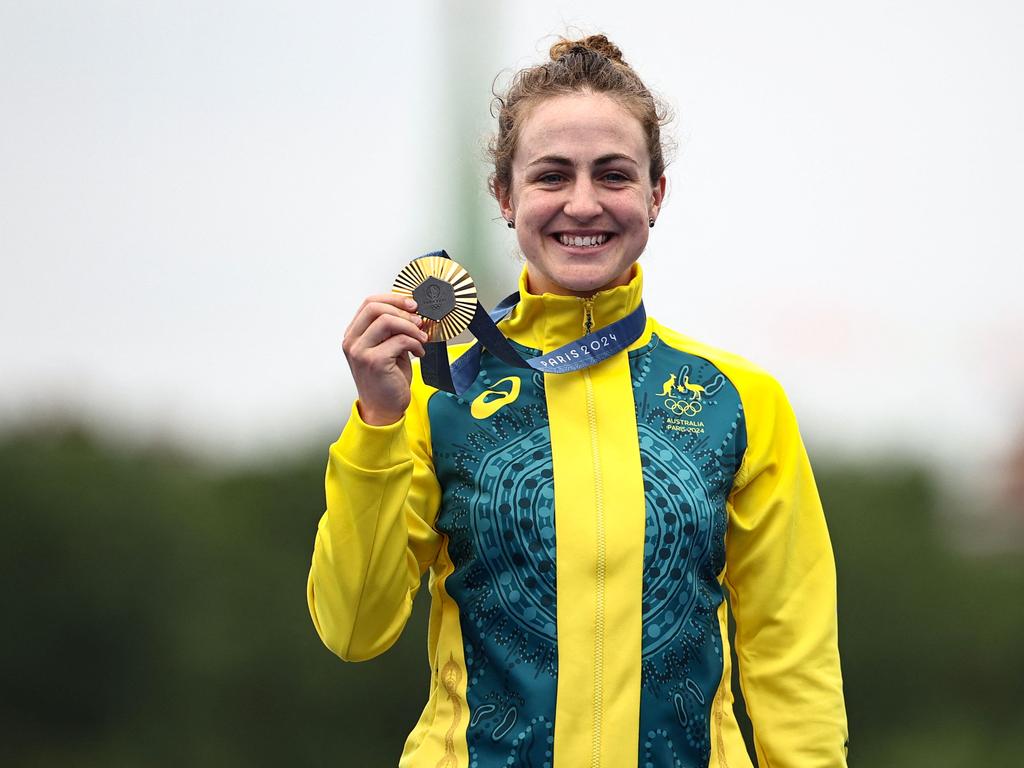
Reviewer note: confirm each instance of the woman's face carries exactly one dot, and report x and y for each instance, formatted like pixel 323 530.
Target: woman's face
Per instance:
pixel 581 194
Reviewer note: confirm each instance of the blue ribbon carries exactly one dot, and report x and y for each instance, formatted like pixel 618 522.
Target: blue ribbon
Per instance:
pixel 589 350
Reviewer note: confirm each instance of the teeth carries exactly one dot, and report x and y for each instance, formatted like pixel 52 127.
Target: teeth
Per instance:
pixel 584 241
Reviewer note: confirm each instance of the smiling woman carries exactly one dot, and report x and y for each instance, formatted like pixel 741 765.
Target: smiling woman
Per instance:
pixel 587 131
pixel 582 528
pixel 579 194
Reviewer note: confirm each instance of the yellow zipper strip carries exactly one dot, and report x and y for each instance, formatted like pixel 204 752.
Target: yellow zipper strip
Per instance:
pixel 599 629
pixel 595 754
pixel 598 561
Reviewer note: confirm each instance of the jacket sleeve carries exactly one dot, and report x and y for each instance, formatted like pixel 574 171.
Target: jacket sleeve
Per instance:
pixel 781 577
pixel 376 538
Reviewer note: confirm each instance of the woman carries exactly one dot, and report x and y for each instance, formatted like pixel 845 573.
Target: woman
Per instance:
pixel 580 528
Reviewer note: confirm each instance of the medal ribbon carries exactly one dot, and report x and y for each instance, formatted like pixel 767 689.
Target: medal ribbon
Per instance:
pixel 589 350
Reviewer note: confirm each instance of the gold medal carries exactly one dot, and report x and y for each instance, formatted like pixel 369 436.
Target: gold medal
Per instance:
pixel 444 293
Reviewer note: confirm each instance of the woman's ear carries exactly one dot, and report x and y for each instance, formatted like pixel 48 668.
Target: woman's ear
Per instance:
pixel 658 196
pixel 501 194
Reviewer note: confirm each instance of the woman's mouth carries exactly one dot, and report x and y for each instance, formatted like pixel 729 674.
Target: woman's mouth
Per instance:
pixel 582 241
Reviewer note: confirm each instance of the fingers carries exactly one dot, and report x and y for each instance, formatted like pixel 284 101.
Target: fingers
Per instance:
pixel 396 345
pixel 380 317
pixel 388 325
pixel 381 333
pixel 380 304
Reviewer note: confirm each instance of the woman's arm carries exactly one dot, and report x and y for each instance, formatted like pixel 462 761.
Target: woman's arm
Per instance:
pixel 376 538
pixel 781 577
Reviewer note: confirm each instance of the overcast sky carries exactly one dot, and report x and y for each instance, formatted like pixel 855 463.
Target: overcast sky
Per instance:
pixel 194 197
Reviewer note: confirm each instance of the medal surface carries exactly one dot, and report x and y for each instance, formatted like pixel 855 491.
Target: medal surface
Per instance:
pixel 444 293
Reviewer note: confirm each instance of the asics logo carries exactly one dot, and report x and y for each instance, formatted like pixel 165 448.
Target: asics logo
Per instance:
pixel 488 402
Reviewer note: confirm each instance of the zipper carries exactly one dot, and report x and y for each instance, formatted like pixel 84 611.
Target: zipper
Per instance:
pixel 599 618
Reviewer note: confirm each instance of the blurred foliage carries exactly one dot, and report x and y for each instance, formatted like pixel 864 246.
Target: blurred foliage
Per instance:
pixel 155 615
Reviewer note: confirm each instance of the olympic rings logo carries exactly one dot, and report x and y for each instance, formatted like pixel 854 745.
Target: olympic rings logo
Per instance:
pixel 683 407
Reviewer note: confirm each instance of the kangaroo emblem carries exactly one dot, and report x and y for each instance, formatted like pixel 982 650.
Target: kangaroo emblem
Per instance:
pixel 695 390
pixel 686 398
pixel 670 384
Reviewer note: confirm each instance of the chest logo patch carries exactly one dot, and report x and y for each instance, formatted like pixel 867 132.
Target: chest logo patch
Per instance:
pixel 685 398
pixel 488 402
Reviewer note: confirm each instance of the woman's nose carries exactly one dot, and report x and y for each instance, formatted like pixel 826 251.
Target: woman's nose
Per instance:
pixel 583 203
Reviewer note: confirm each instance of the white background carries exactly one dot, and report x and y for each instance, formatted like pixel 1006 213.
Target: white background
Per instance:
pixel 194 197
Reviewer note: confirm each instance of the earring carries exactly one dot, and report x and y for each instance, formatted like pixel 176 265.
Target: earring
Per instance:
pixel 650 223
pixel 512 225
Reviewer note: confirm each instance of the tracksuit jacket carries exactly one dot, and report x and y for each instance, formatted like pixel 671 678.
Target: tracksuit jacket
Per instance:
pixel 581 530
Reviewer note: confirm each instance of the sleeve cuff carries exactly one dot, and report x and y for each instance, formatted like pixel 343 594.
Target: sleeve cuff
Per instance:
pixel 371 447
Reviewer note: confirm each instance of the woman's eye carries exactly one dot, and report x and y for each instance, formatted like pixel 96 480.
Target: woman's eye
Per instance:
pixel 550 178
pixel 615 177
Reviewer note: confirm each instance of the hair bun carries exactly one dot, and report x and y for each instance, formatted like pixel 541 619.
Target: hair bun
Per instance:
pixel 597 43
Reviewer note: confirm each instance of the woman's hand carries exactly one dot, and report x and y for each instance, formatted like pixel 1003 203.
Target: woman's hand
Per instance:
pixel 377 346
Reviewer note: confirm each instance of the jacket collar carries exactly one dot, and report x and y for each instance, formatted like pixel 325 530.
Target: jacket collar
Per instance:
pixel 547 321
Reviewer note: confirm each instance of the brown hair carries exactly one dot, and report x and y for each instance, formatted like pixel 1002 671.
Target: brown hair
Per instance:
pixel 593 64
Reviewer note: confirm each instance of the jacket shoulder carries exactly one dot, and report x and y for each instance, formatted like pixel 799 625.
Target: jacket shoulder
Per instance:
pixel 746 376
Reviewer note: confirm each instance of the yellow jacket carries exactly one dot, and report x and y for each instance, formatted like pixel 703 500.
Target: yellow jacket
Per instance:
pixel 581 530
